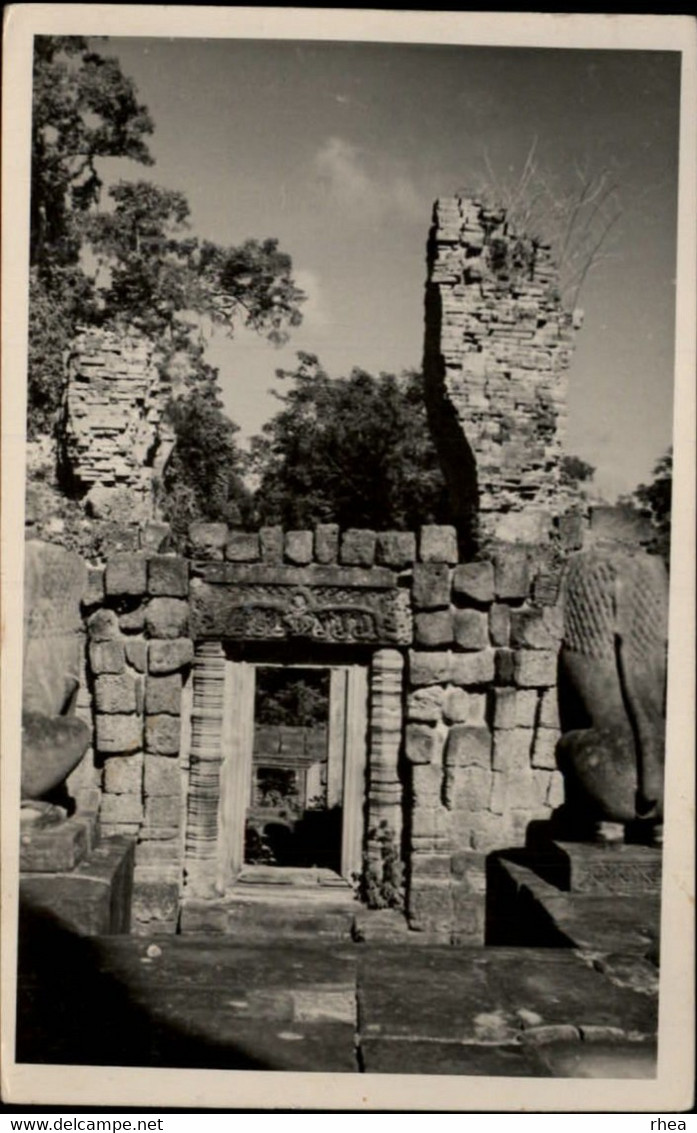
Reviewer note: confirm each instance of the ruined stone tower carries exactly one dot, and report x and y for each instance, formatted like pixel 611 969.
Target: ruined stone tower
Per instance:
pixel 497 347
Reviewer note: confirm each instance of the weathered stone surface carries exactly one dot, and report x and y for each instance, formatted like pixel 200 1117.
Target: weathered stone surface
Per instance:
pixel 136 654
pixel 422 743
pixel 433 628
pixel 511 749
pixel 54 582
pixel 167 617
pixel 424 705
pixel 162 776
pixel 471 629
pixel 271 544
pixel 170 656
pixel 474 581
pixel 52 746
pixel 511 572
pixel 427 784
pixel 103 625
pixel 94 590
pixel 499 624
pixel 168 576
pixel 473 668
pixel 395 549
pixel 505 666
pixel 298 547
pixel 91 900
pixel 207 540
pixel 430 907
pixel 504 707
pixel 457 705
pixel 544 748
pixel 132 621
pixel 162 734
pixel 162 810
pixel 438 544
pixel 549 709
pixel 107 657
pixel 121 808
pixel 163 694
pixel 468 746
pixel 535 669
pixel 153 899
pixel 358 547
pixel 429 668
pixel 115 693
pixel 54 849
pixel 126 574
pixel 431 586
pixel 123 774
pixel 327 542
pixel 526 705
pixel 118 734
pixel 154 537
pixel 536 628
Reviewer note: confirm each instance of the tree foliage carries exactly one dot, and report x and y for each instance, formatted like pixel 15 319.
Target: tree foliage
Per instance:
pixel 655 500
pixel 575 470
pixel 352 450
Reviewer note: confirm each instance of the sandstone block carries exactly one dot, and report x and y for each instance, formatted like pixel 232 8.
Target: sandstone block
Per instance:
pixel 327 542
pixel 438 544
pixel 424 705
pixel 535 668
pixel 536 628
pixel 155 901
pixel 167 617
pixel 468 745
pixel 421 743
pixel 429 668
pixel 115 693
pixel 132 621
pixel 358 547
pixel 473 787
pixel 395 549
pixel 162 776
pixel 505 666
pixel 469 919
pixel 107 657
pixel 487 832
pixel 157 853
pixel 168 576
pixel 512 749
pixel 429 866
pixel 430 586
pixel 571 529
pixel 555 791
pixel 163 694
pixel 162 734
pixel 126 574
pixel 118 734
pixel 472 668
pixel 136 654
pixel 162 810
pixel 474 581
pixel 469 870
pixel 549 709
pixel 545 588
pixel 94 590
pixel 433 628
pixel 456 706
pixel 511 572
pixel 499 624
pixel 471 629
pixel 123 774
pixel 526 707
pixel 103 625
pixel 504 707
pixel 498 799
pixel 529 526
pixel 544 749
pixel 154 537
pixel 121 808
pixel 170 656
pixel 207 540
pixel 430 906
pixel 298 547
pixel 426 785
pixel 271 544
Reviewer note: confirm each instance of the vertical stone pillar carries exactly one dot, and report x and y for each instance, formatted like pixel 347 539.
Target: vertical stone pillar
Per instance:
pixel 385 737
pixel 201 846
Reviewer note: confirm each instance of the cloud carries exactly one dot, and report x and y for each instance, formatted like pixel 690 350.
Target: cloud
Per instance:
pixel 347 180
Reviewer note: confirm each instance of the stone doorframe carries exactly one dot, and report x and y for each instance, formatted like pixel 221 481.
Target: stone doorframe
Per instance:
pixel 365 738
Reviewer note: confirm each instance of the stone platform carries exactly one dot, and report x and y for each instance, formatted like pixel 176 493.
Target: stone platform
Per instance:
pixel 88 898
pixel 204 1001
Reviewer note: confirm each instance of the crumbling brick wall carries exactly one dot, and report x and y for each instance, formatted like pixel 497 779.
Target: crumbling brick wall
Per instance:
pixel 497 347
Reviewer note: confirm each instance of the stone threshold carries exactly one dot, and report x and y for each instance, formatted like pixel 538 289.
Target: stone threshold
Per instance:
pixel 296 877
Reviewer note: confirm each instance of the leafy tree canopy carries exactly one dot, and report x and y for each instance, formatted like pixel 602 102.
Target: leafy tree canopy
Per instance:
pixel 574 470
pixel 352 450
pixel 655 499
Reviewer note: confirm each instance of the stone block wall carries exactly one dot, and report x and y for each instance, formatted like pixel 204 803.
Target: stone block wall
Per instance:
pixel 498 344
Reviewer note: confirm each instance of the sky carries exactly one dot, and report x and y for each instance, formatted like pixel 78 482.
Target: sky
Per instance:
pixel 340 149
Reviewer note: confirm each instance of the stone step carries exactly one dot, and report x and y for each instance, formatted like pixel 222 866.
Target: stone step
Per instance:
pixel 250 913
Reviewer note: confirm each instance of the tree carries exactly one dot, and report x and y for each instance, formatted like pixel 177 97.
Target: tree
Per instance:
pixel 353 450
pixel 655 500
pixel 575 471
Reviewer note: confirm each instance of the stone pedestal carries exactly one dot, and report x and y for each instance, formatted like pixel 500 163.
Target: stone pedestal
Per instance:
pixel 92 899
pixel 56 849
pixel 606 869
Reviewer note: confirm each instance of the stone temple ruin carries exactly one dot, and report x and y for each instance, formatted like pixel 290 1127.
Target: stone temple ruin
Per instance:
pixel 436 764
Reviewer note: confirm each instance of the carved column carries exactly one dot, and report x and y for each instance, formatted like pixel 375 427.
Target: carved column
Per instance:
pixel 384 786
pixel 204 775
